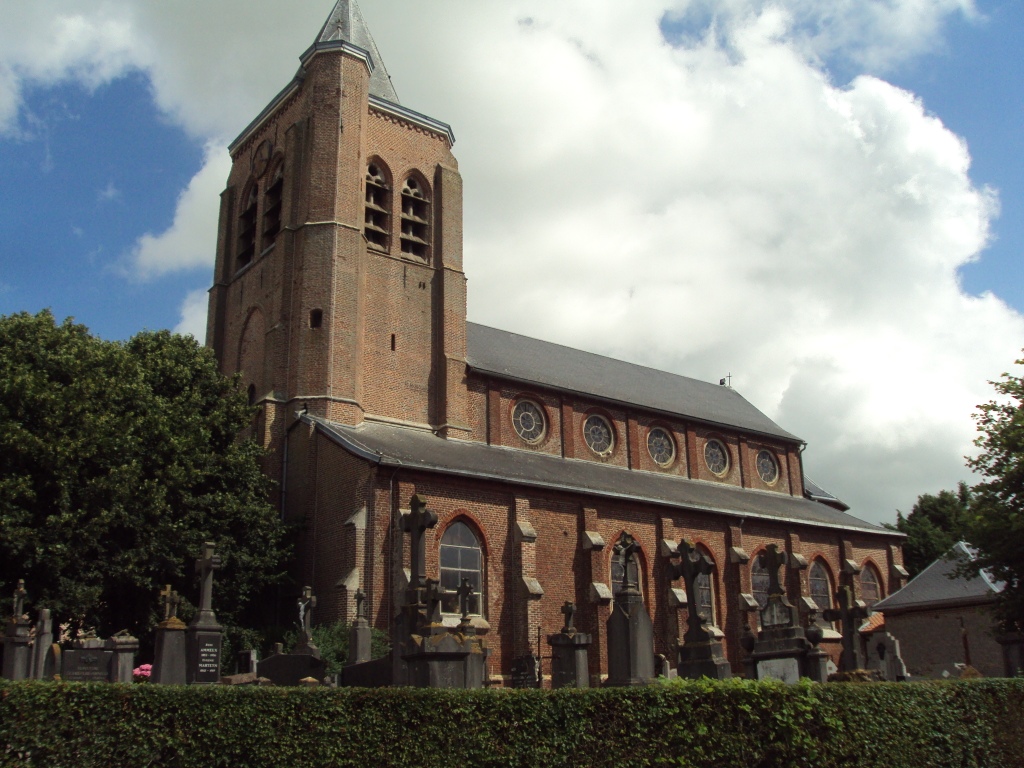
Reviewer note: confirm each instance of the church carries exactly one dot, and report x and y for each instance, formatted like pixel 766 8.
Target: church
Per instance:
pixel 339 296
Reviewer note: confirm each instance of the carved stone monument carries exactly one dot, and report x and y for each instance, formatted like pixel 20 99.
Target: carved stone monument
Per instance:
pixel 169 660
pixel 359 637
pixel 850 613
pixel 42 659
pixel 569 654
pixel 18 639
pixel 304 662
pixel 205 635
pixel 783 649
pixel 434 655
pixel 630 632
pixel 700 655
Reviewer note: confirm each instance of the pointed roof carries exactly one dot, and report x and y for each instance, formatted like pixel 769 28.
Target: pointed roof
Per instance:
pixel 939 585
pixel 346 24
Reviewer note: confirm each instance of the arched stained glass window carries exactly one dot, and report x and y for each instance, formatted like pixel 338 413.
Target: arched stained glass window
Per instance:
pixel 821 589
pixel 759 582
pixel 870 585
pixel 461 558
pixel 706 591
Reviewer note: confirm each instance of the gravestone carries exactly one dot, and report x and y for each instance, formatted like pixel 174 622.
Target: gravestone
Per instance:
pixel 783 649
pixel 569 653
pixel 170 658
pixel 304 662
pixel 360 637
pixel 41 647
pixel 700 655
pixel 205 635
pixel 630 632
pixel 525 672
pixel 850 613
pixel 426 653
pixel 884 656
pixel 17 663
pixel 88 662
pixel 124 647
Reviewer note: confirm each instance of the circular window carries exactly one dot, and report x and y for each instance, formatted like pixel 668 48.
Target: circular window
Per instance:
pixel 528 420
pixel 598 434
pixel 716 457
pixel 767 468
pixel 660 446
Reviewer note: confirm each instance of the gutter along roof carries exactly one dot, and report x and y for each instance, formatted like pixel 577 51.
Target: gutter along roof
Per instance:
pixel 395 446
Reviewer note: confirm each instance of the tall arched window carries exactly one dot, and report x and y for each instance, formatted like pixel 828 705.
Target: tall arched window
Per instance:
pixel 272 207
pixel 759 582
pixel 377 223
pixel 247 228
pixel 415 218
pixel 461 558
pixel 705 599
pixel 821 589
pixel 870 584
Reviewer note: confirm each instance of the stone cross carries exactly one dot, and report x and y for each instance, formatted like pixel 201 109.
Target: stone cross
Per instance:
pixel 19 599
pixel 569 611
pixel 692 565
pixel 771 560
pixel 360 598
pixel 626 550
pixel 205 566
pixel 465 592
pixel 416 524
pixel 849 613
pixel 170 600
pixel 307 602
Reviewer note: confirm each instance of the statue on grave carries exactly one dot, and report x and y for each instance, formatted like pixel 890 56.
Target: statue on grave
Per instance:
pixel 700 655
pixel 630 632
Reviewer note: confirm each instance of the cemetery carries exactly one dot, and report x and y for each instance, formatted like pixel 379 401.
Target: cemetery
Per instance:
pixel 426 701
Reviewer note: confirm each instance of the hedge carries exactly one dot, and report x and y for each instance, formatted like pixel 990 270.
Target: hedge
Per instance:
pixel 736 723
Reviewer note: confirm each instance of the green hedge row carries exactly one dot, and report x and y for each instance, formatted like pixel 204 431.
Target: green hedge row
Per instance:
pixel 737 723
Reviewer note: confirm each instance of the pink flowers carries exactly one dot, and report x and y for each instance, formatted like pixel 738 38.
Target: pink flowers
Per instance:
pixel 142 672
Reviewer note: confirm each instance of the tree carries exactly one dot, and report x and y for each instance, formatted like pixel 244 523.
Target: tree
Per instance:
pixel 934 525
pixel 996 525
pixel 117 460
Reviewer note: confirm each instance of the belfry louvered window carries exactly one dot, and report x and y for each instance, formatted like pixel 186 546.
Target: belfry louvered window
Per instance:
pixel 415 219
pixel 377 224
pixel 272 207
pixel 247 228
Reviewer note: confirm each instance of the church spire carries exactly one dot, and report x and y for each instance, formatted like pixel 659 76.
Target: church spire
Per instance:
pixel 346 24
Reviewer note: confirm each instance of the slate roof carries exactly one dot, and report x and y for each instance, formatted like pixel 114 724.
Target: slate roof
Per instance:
pixel 523 359
pixel 933 587
pixel 815 492
pixel 397 446
pixel 346 24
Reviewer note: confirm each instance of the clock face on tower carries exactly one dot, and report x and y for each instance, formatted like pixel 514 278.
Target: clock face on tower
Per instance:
pixel 261 157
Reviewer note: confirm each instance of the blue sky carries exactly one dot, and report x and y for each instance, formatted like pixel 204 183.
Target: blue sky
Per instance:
pixel 781 195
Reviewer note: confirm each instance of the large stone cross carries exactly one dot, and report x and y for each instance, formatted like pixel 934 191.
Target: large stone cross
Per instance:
pixel 626 550
pixel 849 613
pixel 691 566
pixel 307 602
pixel 771 559
pixel 416 524
pixel 205 566
pixel 19 599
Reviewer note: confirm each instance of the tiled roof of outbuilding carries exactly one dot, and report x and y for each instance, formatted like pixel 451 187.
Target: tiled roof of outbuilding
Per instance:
pixel 542 363
pixel 937 585
pixel 396 446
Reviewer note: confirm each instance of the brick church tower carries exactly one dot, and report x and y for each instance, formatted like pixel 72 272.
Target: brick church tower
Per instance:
pixel 338 285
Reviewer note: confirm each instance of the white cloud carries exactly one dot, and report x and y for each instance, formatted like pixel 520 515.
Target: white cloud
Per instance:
pixel 710 207
pixel 193 314
pixel 189 242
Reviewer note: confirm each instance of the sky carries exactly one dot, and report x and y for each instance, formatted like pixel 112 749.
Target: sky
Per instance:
pixel 822 199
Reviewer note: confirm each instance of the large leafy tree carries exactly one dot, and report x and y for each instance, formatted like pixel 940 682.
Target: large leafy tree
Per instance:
pixel 934 525
pixel 117 460
pixel 996 526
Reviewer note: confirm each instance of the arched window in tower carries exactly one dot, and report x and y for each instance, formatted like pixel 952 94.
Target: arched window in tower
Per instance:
pixel 870 585
pixel 415 219
pixel 272 207
pixel 461 558
pixel 821 589
pixel 377 224
pixel 706 591
pixel 247 228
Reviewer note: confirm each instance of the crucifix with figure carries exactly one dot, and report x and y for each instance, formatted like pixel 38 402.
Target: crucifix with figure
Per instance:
pixel 626 550
pixel 307 602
